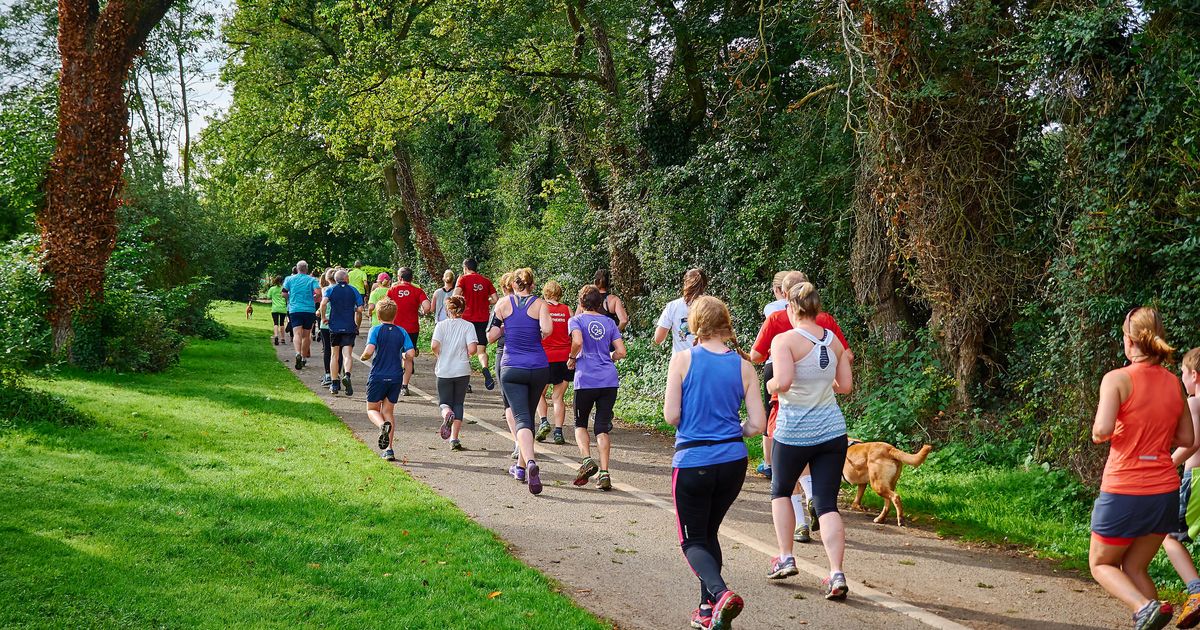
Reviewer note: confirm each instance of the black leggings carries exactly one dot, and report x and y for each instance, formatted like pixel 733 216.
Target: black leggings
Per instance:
pixel 768 372
pixel 826 460
pixel 522 389
pixel 328 350
pixel 702 497
pixel 453 393
pixel 603 398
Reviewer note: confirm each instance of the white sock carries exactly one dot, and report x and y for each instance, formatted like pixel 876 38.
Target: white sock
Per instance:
pixel 785 557
pixel 806 483
pixel 801 512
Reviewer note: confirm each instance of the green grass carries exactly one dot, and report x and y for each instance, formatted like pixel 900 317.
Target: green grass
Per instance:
pixel 222 493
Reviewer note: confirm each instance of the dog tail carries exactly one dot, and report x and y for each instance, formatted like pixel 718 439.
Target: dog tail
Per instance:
pixel 912 459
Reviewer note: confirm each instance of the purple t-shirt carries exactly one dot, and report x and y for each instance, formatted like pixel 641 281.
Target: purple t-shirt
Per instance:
pixel 594 367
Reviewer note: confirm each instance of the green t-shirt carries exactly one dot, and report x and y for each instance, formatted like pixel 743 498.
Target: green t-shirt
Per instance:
pixel 278 303
pixel 358 280
pixel 379 293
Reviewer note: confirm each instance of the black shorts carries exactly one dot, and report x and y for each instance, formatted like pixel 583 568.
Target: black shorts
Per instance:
pixel 559 373
pixel 481 334
pixel 279 319
pixel 603 399
pixel 378 390
pixel 342 339
pixel 303 320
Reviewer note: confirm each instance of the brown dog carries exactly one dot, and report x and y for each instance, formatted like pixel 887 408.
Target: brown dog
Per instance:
pixel 879 464
pixel 249 309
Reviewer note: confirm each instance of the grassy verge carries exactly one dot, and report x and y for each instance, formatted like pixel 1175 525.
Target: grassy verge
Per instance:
pixel 222 493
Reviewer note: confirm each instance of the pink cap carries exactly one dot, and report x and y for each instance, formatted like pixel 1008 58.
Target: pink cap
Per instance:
pixel 383 277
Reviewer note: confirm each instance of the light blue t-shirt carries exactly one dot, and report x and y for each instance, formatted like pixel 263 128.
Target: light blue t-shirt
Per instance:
pixel 300 288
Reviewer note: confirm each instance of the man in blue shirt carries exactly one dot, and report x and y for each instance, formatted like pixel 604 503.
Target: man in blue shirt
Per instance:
pixel 300 290
pixel 388 345
pixel 341 318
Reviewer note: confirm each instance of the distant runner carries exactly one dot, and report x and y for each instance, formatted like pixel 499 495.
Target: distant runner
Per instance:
pixel 480 296
pixel 378 293
pixel 673 321
pixel 278 310
pixel 558 348
pixel 440 295
pixel 357 278
pixel 411 303
pixel 342 310
pixel 612 306
pixel 300 290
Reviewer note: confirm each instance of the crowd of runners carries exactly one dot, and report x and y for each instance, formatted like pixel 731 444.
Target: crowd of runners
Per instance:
pixel 714 399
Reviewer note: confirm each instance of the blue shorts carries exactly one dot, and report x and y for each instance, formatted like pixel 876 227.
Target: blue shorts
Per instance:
pixel 379 389
pixel 1117 519
pixel 1186 497
pixel 303 320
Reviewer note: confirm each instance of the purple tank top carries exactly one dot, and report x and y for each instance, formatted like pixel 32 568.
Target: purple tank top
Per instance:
pixel 523 337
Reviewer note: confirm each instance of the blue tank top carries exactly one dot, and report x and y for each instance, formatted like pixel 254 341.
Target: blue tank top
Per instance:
pixel 711 409
pixel 523 337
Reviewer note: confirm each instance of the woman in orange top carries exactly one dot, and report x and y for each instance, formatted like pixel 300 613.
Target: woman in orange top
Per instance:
pixel 1142 413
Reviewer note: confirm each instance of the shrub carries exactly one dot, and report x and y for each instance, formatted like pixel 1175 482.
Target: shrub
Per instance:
pixel 127 333
pixel 19 404
pixel 25 338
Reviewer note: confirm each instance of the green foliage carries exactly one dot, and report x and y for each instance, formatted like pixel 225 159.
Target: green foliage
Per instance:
pixel 22 405
pixel 24 330
pixel 27 125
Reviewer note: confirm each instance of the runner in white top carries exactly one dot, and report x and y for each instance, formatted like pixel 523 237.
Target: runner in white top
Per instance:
pixel 453 344
pixel 673 321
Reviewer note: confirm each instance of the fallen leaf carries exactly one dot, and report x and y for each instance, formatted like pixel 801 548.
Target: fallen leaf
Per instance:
pixel 314 565
pixel 387 575
pixel 441 562
pixel 494 594
pixel 280 449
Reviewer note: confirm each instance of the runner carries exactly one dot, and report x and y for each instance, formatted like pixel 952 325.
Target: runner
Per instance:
pixel 1142 413
pixel 706 387
pixel 380 291
pixel 506 288
pixel 1179 555
pixel 524 321
pixel 411 303
pixel 440 295
pixel 341 310
pixel 299 289
pixel 358 278
pixel 673 321
pixel 278 309
pixel 480 295
pixel 778 322
pixel 557 347
pixel 325 282
pixel 613 306
pixel 811 365
pixel 779 304
pixel 387 344
pixel 592 334
pixel 452 346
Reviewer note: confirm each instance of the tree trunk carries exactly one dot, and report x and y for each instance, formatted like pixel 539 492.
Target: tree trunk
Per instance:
pixel 400 229
pixel 84 180
pixel 410 200
pixel 873 266
pixel 185 153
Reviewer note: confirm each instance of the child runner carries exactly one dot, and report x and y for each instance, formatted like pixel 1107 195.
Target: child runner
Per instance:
pixel 674 319
pixel 411 303
pixel 480 295
pixel 811 365
pixel 612 306
pixel 387 345
pixel 300 289
pixel 440 295
pixel 1179 555
pixel 341 309
pixel 278 309
pixel 557 347
pixel 524 320
pixel 592 334
pixel 452 346
pixel 1142 413
pixel 706 387
pixel 378 293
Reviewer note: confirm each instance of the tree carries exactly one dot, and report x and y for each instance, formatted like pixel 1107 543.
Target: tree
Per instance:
pixel 84 182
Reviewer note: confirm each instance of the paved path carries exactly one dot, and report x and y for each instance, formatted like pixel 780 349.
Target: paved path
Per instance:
pixel 617 553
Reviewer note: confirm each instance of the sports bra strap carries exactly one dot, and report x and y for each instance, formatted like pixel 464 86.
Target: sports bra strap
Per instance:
pixel 825 339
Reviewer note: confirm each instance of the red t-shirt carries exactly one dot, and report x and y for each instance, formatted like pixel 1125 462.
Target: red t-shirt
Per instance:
pixel 778 323
pixel 476 290
pixel 1139 462
pixel 558 344
pixel 408 298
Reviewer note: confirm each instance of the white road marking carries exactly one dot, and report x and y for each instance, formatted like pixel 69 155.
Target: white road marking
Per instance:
pixel 859 589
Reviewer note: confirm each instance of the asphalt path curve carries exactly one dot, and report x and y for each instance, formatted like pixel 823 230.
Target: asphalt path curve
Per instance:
pixel 617 553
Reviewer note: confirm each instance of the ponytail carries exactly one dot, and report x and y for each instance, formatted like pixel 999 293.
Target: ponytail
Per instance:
pixel 1144 327
pixel 695 283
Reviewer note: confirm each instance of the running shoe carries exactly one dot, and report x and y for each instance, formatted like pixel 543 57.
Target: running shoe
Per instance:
pixel 326 380
pixel 764 470
pixel 542 431
pixel 535 478
pixel 389 455
pixel 404 390
pixel 299 361
pixel 517 473
pixel 447 418
pixel 469 389
pixel 835 588
pixel 558 437
pixel 802 535
pixel 333 389
pixel 385 434
pixel 728 607
pixel 488 381
pixel 1190 615
pixel 782 568
pixel 455 445
pixel 604 481
pixel 812 516
pixel 586 470
pixel 516 452
pixel 346 385
pixel 275 340
pixel 1155 616
pixel 701 619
